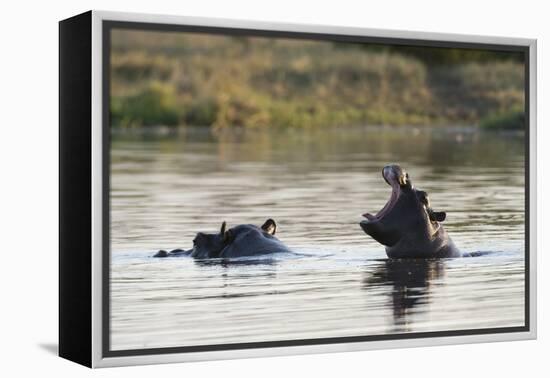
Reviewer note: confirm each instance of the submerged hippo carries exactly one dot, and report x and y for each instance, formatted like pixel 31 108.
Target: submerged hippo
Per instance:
pixel 239 241
pixel 407 225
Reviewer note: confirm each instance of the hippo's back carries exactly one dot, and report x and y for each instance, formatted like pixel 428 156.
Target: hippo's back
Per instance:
pixel 253 242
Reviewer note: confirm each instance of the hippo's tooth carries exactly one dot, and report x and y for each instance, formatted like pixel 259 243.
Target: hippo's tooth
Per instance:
pixel 369 216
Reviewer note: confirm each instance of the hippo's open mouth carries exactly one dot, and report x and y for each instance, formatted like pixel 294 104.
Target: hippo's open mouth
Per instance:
pixel 395 177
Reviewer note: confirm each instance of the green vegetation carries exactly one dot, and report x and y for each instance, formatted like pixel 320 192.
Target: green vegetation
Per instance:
pixel 174 79
pixel 513 120
pixel 154 105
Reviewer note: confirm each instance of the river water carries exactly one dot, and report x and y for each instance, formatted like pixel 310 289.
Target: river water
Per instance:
pixel 315 184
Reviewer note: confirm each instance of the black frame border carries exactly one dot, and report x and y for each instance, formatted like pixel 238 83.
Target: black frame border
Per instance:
pixel 75 189
pixel 109 25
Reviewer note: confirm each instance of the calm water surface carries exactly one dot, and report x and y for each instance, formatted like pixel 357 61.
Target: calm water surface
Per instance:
pixel 165 188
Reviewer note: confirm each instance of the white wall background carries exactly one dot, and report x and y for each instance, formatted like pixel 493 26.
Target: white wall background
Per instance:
pixel 28 207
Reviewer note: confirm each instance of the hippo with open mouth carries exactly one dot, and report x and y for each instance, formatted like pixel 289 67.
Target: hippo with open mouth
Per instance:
pixel 239 241
pixel 407 225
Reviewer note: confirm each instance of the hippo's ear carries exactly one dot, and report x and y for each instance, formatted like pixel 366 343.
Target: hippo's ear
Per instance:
pixel 269 226
pixel 438 216
pixel 227 236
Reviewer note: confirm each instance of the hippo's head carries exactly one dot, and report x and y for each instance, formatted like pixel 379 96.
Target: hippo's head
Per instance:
pixel 219 244
pixel 407 218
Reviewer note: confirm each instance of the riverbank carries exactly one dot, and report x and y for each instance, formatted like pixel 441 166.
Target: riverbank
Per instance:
pixel 220 82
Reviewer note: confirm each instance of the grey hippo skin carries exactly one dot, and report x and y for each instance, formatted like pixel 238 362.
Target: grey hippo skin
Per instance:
pixel 407 225
pixel 240 241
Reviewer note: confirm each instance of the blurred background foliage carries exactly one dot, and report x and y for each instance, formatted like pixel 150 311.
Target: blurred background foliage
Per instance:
pixel 172 79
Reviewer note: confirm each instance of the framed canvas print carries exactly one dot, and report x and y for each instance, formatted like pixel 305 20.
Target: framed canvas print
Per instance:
pixel 235 189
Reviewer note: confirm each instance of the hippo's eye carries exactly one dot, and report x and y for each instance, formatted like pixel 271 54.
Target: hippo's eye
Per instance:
pixel 194 242
pixel 423 197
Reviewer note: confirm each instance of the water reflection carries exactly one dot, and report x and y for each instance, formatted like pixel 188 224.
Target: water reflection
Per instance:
pixel 442 148
pixel 229 263
pixel 410 281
